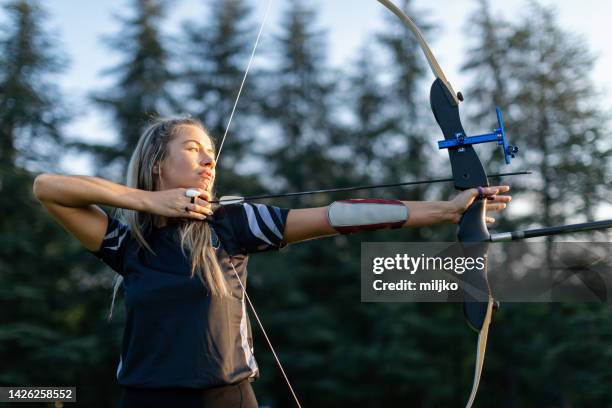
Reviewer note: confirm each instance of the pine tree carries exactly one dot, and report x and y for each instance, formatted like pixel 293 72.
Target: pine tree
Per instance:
pixel 142 91
pixel 31 113
pixel 541 73
pixel 300 104
pixel 216 55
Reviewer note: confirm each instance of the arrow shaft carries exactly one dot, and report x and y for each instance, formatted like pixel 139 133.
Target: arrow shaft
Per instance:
pixel 549 231
pixel 358 188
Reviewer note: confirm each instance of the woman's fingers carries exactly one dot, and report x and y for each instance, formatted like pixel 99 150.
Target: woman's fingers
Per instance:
pixel 501 189
pixel 203 203
pixel 492 191
pixel 203 207
pixel 197 207
pixel 197 211
pixel 200 206
pixel 205 195
pixel 487 191
pixel 497 202
pixel 500 198
pixel 496 206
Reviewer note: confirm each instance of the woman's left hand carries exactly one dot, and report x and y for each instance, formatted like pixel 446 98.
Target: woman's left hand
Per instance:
pixel 495 202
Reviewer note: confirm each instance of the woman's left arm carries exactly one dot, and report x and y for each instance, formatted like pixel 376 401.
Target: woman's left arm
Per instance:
pixel 310 223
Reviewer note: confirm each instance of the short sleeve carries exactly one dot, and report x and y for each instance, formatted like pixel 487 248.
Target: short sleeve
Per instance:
pixel 113 246
pixel 249 227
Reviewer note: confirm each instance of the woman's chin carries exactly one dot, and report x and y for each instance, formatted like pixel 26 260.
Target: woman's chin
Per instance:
pixel 204 184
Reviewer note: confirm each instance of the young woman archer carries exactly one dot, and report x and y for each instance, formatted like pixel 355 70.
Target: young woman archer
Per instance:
pixel 187 342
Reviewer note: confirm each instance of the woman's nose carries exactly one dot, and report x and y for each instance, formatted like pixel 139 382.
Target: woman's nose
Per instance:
pixel 208 160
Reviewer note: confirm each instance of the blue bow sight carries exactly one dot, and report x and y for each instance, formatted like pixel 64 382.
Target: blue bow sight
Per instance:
pixel 498 136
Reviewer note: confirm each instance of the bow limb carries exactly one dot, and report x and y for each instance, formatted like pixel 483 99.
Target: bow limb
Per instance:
pixel 431 59
pixel 480 352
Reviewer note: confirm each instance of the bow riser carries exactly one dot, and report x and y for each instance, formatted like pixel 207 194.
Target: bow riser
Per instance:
pixel 468 171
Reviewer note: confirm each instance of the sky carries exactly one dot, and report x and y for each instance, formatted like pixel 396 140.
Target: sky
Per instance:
pixel 80 26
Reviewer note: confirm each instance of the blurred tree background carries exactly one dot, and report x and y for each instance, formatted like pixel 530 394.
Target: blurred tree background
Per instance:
pixel 301 125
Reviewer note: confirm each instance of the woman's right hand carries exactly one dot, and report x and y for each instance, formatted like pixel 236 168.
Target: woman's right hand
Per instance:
pixel 173 203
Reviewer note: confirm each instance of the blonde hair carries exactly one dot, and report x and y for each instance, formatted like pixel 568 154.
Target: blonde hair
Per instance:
pixel 195 236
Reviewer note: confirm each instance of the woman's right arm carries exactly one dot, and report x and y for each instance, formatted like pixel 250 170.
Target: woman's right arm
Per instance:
pixel 71 201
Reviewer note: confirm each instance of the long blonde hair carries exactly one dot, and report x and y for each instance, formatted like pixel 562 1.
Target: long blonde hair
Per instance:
pixel 195 236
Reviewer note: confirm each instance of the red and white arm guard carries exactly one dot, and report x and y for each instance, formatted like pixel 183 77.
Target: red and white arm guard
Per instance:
pixel 349 216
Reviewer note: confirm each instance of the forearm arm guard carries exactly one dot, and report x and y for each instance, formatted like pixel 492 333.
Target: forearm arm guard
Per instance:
pixel 349 216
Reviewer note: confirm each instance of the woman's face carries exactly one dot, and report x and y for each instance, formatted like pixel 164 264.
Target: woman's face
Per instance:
pixel 190 160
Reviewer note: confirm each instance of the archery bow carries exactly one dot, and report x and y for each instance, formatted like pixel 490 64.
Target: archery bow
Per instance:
pixel 468 172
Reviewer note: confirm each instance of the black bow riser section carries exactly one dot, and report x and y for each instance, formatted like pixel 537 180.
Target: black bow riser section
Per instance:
pixel 472 227
pixel 467 168
pixel 473 233
pixel 475 286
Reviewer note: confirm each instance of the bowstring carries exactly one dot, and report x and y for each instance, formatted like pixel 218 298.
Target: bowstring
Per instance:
pixel 244 78
pixel 280 366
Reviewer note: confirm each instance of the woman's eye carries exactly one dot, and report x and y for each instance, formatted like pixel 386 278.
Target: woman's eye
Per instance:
pixel 193 148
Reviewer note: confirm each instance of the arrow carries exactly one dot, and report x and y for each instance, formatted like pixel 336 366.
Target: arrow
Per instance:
pixel 549 231
pixel 227 200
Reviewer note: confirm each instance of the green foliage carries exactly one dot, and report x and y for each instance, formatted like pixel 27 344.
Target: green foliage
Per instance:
pixel 53 300
pixel 304 127
pixel 214 56
pixel 143 77
pixel 30 115
pixel 540 73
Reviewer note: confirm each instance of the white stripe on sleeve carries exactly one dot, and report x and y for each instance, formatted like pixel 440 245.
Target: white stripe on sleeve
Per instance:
pixel 267 218
pixel 113 234
pixel 253 225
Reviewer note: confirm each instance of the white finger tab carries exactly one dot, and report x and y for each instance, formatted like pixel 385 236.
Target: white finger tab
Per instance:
pixel 192 193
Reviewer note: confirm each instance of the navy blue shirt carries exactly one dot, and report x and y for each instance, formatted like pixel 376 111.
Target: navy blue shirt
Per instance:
pixel 176 334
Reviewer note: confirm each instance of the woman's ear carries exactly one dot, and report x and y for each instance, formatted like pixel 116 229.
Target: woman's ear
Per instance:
pixel 157 169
